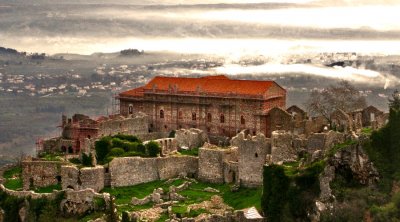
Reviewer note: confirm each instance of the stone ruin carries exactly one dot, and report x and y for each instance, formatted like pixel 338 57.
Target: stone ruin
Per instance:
pixel 74 203
pixel 190 138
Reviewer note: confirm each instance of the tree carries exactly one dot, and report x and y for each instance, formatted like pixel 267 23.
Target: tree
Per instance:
pixel 153 148
pixel 342 96
pixel 102 147
pixel 275 187
pixel 394 103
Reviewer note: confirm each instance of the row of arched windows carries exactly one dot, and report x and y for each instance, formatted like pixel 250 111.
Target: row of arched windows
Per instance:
pixel 209 117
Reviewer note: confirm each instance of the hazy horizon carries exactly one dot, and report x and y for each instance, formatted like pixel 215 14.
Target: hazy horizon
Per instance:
pixel 226 28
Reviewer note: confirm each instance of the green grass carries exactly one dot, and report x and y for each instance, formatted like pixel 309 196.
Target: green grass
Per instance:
pixel 367 131
pixel 48 189
pixel 10 173
pixel 341 146
pixel 191 152
pixel 243 198
pixel 123 195
pixel 13 184
pixel 13 178
pixel 53 157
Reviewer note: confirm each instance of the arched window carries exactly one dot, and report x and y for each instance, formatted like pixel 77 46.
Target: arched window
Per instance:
pixel 161 114
pixel 222 118
pixel 180 115
pixel 130 109
pixel 242 120
pixel 209 117
pixel 193 116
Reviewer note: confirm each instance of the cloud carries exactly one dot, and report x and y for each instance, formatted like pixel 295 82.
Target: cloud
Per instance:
pixel 364 76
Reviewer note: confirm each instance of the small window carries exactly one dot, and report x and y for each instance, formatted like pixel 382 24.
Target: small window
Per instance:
pixel 130 109
pixel 208 129
pixel 242 120
pixel 209 117
pixel 165 126
pixel 180 115
pixel 256 155
pixel 222 118
pixel 193 116
pixel 161 114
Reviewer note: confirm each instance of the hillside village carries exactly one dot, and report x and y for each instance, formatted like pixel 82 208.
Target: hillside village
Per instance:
pixel 126 168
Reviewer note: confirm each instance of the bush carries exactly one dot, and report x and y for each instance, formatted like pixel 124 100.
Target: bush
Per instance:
pixel 153 149
pixel 87 159
pixel 102 147
pixel 116 152
pixel 129 138
pixel 141 148
pixel 117 142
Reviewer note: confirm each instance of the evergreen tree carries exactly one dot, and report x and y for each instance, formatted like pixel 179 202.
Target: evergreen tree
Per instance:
pixel 394 103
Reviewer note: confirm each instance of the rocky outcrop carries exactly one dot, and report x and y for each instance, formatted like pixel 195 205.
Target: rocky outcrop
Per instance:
pixel 358 162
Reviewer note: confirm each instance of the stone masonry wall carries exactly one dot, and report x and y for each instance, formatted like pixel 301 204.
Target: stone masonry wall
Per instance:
pixel 132 125
pixel 212 161
pixel 87 177
pixel 175 166
pixel 40 173
pixel 252 157
pixel 129 171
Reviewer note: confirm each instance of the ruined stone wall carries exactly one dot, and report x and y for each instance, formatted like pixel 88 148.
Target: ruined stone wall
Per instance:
pixel 282 147
pixel 252 157
pixel 74 203
pixel 40 173
pixel 167 145
pixel 211 163
pixel 87 177
pixel 127 171
pixel 231 172
pixel 324 141
pixel 132 125
pixel 315 125
pixel 190 138
pixel 278 119
pixel 175 166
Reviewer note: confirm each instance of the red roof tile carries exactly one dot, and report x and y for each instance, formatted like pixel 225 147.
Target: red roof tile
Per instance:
pixel 209 84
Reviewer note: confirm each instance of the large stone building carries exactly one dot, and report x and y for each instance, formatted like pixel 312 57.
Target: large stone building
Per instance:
pixel 216 104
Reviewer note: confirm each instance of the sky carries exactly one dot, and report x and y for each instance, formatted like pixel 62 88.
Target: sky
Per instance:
pixel 229 27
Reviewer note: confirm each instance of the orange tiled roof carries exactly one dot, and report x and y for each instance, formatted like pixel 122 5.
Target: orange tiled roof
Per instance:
pixel 209 84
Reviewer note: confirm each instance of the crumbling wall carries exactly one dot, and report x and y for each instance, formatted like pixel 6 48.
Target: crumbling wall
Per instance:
pixel 127 171
pixel 78 179
pixel 190 138
pixel 231 172
pixel 40 173
pixel 74 203
pixel 212 160
pixel 175 166
pixel 252 157
pixel 324 141
pixel 132 125
pixel 167 145
pixel 282 147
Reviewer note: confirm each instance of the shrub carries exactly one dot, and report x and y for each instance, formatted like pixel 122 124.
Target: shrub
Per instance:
pixel 130 138
pixel 153 149
pixel 117 142
pixel 141 148
pixel 117 152
pixel 102 147
pixel 87 159
pixel 172 134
